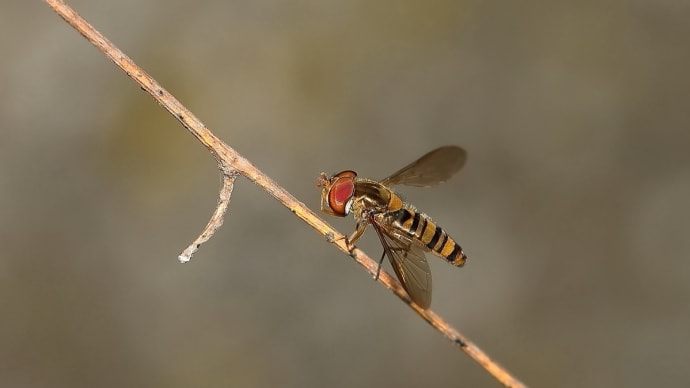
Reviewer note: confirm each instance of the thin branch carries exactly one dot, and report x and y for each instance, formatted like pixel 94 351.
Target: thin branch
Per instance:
pixel 216 220
pixel 231 164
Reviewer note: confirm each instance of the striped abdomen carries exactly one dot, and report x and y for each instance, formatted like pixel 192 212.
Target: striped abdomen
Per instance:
pixel 430 235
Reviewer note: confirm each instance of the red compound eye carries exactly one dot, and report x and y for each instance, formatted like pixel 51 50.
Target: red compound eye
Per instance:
pixel 342 190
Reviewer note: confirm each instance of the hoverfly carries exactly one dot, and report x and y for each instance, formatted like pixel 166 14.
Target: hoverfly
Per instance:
pixel 405 233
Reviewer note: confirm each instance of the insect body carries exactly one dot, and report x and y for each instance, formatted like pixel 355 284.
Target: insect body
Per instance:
pixel 404 232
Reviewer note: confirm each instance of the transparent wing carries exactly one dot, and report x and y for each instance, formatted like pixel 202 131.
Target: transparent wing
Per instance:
pixel 433 168
pixel 409 263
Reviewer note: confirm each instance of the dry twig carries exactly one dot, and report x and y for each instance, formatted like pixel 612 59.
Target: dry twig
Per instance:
pixel 232 164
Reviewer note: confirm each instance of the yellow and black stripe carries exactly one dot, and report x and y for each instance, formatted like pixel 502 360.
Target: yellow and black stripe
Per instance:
pixel 432 236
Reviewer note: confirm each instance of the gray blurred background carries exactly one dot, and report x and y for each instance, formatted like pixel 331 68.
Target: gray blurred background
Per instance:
pixel 573 207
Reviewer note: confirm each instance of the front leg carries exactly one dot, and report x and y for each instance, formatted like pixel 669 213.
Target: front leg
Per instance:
pixel 350 241
pixel 359 231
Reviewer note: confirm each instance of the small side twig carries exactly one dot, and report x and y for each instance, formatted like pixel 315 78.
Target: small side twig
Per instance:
pixel 216 220
pixel 232 164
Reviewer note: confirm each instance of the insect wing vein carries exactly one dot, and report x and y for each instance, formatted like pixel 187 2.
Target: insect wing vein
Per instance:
pixel 433 168
pixel 409 264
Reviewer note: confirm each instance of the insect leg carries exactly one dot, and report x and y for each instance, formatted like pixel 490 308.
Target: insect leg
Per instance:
pixel 359 231
pixel 378 269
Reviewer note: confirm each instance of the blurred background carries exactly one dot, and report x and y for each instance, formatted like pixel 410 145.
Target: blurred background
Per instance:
pixel 573 206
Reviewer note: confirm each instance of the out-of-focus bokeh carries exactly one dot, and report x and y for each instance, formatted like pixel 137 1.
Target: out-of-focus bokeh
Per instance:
pixel 573 207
